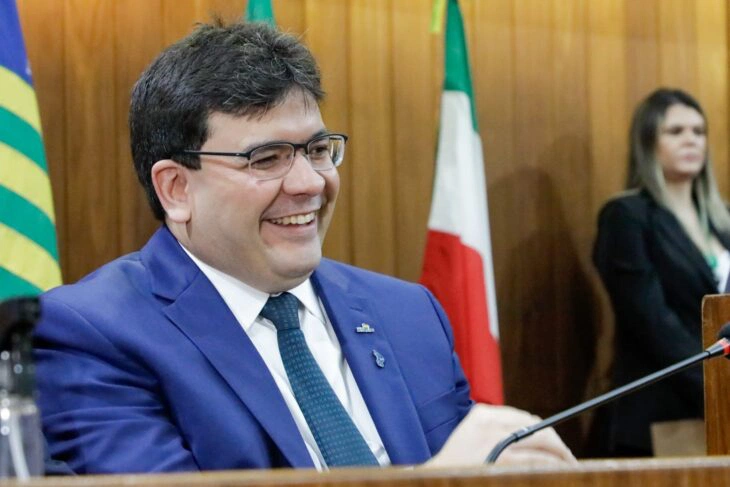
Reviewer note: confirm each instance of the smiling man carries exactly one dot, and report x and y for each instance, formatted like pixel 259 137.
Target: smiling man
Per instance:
pixel 227 342
pixel 260 217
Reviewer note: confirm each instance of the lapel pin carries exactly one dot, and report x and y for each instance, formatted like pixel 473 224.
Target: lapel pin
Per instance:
pixel 379 359
pixel 365 328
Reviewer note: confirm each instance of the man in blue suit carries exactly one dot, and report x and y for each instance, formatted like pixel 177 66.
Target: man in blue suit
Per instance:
pixel 173 358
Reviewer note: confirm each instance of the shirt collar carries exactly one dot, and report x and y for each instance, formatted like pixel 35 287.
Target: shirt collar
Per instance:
pixel 246 302
pixel 306 295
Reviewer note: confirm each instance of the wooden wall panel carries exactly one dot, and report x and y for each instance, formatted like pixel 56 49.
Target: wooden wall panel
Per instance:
pixel 608 93
pixel 609 124
pixel 137 40
pixel 642 31
pixel 93 210
pixel 416 103
pixel 371 150
pixel 331 47
pixel 290 15
pixel 178 19
pixel 555 83
pixel 677 53
pixel 712 81
pixel 566 162
pixel 529 200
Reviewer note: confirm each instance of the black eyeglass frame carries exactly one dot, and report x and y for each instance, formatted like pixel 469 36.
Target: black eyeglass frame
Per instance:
pixel 247 154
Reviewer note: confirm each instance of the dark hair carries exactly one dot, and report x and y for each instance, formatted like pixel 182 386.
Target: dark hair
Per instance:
pixel 646 173
pixel 242 69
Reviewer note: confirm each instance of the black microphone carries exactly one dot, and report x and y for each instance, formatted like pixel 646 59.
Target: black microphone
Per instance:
pixel 720 348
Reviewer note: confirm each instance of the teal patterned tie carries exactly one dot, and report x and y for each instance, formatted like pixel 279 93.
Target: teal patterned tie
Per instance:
pixel 336 435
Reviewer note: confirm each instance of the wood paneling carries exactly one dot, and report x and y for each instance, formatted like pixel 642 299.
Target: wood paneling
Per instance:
pixel 90 163
pixel 415 115
pixel 137 40
pixel 371 104
pixel 642 49
pixel 555 84
pixel 331 47
pixel 608 124
pixel 712 81
pixel 677 53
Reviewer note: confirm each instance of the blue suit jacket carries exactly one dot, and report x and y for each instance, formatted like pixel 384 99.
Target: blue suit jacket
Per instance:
pixel 142 367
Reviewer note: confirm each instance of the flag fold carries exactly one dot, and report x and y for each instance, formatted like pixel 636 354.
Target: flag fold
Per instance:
pixel 29 261
pixel 458 257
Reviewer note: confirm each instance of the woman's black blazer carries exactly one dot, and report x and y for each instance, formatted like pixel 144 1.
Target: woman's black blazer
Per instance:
pixel 656 278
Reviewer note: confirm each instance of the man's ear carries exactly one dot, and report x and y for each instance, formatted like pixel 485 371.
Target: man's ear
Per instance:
pixel 170 180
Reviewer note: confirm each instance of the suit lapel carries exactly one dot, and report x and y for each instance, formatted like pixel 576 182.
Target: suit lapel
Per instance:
pixel 200 313
pixel 383 388
pixel 674 235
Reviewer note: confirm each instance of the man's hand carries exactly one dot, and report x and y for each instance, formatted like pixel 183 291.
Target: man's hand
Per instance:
pixel 485 426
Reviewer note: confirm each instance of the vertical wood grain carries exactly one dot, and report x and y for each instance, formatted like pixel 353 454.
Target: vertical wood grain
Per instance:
pixel 371 150
pixel 331 48
pixel 415 122
pixel 291 16
pixel 712 85
pixel 677 40
pixel 610 111
pixel 226 10
pixel 568 163
pixel 93 210
pixel 609 125
pixel 137 41
pixel 642 50
pixel 530 196
pixel 179 18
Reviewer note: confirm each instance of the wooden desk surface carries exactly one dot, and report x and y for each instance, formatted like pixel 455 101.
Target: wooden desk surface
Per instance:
pixel 701 471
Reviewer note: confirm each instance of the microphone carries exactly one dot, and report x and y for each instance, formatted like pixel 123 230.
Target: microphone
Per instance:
pixel 720 348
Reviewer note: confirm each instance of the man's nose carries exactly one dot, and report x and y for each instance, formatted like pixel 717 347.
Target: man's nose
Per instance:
pixel 302 178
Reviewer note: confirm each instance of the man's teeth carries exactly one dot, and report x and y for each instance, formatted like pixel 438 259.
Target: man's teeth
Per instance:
pixel 294 219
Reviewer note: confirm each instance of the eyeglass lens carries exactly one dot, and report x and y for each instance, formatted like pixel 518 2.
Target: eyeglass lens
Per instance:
pixel 274 160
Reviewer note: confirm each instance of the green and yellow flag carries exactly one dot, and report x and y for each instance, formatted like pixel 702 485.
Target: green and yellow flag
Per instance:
pixel 28 248
pixel 260 11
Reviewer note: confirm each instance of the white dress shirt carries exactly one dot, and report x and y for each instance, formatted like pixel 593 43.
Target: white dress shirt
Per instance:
pixel 246 303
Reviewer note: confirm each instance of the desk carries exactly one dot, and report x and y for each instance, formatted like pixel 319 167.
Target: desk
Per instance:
pixel 715 313
pixel 690 472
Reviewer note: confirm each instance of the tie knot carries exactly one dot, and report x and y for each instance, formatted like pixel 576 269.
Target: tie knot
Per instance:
pixel 282 311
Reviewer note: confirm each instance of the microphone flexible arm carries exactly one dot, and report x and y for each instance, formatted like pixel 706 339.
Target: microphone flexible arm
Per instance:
pixel 721 347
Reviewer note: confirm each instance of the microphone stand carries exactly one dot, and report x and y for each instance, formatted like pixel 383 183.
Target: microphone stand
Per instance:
pixel 722 347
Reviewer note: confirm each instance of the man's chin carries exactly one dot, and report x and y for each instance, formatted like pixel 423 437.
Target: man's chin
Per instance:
pixel 298 269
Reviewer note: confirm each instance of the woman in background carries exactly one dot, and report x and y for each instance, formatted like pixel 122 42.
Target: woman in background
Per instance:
pixel 662 245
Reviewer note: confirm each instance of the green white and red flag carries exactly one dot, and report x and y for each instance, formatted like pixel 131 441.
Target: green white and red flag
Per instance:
pixel 457 264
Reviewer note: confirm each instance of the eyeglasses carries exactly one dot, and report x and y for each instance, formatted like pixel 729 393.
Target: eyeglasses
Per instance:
pixel 272 161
